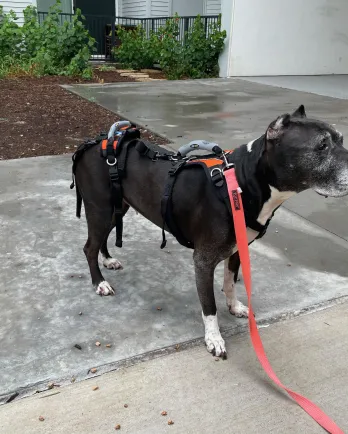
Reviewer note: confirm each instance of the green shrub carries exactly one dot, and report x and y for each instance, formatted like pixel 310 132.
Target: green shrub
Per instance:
pixel 201 51
pixel 49 48
pixel 195 57
pixel 137 51
pixel 10 34
pixel 172 51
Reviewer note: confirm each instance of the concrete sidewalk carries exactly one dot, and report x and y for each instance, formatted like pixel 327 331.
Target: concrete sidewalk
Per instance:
pixel 45 283
pixel 201 395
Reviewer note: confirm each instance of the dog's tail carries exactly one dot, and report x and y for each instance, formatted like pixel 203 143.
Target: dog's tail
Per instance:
pixel 78 203
pixel 75 158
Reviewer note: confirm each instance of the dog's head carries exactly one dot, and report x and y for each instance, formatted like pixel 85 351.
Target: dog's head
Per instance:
pixel 305 153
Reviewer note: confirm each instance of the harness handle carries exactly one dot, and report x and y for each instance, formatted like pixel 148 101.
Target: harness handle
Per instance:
pixel 203 145
pixel 117 126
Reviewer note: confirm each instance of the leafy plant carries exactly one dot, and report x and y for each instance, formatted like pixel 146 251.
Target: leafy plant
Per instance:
pixel 202 49
pixel 52 47
pixel 172 51
pixel 136 51
pixel 10 34
pixel 195 57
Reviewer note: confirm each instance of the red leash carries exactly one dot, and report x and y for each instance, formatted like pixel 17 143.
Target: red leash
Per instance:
pixel 242 242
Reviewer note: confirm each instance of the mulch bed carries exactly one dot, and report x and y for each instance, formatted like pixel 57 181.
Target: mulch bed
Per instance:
pixel 38 117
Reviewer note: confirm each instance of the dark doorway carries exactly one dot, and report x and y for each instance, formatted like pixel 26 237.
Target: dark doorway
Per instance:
pixel 99 17
pixel 93 7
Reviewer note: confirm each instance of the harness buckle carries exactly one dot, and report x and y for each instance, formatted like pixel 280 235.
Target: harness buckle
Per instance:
pixel 217 176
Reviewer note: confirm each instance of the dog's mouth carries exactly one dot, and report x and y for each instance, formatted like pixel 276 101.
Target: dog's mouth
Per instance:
pixel 322 194
pixel 332 194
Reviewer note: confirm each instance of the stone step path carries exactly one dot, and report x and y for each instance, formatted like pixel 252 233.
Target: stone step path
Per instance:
pixel 141 75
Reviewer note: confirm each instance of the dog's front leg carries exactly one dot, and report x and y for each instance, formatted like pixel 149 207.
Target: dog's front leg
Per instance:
pixel 204 270
pixel 230 278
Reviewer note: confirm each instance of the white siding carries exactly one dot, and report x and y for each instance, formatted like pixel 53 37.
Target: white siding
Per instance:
pixel 186 8
pixel 17 6
pixel 133 8
pixel 212 7
pixel 160 8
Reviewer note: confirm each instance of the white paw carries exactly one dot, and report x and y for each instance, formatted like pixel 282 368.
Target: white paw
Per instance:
pixel 104 289
pixel 213 339
pixel 239 310
pixel 112 263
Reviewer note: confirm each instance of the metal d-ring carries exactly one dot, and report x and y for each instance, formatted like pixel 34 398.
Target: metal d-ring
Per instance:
pixel 111 164
pixel 217 169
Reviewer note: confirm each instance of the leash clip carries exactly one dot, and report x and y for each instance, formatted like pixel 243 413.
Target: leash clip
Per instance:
pixel 227 164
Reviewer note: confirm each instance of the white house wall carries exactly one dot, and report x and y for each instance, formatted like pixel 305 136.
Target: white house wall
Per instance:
pixel 133 8
pixel 187 8
pixel 277 37
pixel 212 7
pixel 17 6
pixel 160 8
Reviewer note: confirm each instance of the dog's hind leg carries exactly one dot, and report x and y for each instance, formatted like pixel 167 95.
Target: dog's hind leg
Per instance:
pixel 98 221
pixel 235 307
pixel 204 270
pixel 107 260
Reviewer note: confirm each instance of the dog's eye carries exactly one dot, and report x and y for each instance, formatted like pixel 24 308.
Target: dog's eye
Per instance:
pixel 322 146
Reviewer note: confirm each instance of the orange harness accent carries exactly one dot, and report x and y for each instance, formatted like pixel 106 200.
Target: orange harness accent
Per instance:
pixel 104 145
pixel 242 243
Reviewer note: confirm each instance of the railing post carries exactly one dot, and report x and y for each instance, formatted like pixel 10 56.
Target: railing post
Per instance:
pixel 113 38
pixel 186 28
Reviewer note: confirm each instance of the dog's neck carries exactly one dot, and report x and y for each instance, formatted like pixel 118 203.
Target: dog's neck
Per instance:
pixel 261 196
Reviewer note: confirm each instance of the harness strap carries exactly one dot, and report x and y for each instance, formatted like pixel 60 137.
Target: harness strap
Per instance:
pixel 242 243
pixel 167 208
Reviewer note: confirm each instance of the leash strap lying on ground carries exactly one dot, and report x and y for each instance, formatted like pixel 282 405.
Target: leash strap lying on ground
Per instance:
pixel 242 243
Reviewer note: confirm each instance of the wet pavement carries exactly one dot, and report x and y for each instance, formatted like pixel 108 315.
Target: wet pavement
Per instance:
pixel 298 267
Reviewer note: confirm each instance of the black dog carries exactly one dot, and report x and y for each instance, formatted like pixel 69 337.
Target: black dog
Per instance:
pixel 293 155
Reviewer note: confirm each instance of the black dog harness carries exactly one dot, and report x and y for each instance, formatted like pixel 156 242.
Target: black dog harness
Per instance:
pixel 114 149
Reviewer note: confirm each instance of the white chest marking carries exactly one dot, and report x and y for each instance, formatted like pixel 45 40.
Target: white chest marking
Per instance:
pixel 276 199
pixel 250 146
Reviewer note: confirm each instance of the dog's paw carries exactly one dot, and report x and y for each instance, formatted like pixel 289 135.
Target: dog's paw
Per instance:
pixel 216 346
pixel 104 289
pixel 213 339
pixel 239 310
pixel 112 264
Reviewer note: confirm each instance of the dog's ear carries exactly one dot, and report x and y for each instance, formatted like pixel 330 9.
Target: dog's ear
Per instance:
pixel 277 127
pixel 300 112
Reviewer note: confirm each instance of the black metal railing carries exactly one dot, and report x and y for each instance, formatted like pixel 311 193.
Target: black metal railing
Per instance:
pixel 104 28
